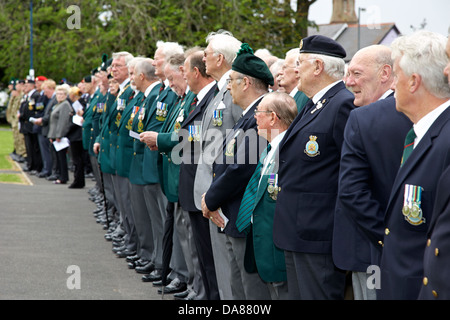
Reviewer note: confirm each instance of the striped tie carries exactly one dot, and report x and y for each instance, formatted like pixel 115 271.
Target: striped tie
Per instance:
pixel 409 145
pixel 248 200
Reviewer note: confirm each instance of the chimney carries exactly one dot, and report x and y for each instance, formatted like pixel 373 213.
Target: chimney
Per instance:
pixel 344 12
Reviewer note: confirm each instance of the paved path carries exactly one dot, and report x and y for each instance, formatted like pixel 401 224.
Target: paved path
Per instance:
pixel 45 229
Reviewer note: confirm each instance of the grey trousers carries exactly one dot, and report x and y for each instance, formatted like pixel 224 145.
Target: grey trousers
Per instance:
pixel 185 236
pixel 144 230
pixel 244 285
pixel 360 289
pixel 156 203
pixel 122 195
pixel 218 244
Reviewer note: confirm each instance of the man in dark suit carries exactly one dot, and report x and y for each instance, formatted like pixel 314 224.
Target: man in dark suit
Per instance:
pixel 436 260
pixel 372 149
pixel 422 94
pixel 204 87
pixel 248 82
pixel 308 174
pixel 274 115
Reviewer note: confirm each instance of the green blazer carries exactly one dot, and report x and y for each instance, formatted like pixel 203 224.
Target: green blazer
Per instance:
pixel 135 173
pixel 87 121
pixel 124 151
pixel 301 99
pixel 96 116
pixel 105 133
pixel 167 140
pixel 261 254
pixel 114 123
pixel 154 122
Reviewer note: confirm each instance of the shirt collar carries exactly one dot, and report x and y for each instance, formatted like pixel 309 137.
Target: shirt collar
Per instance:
pixel 150 88
pixel 204 91
pixel 223 80
pixel 320 94
pixel 251 105
pixel 422 126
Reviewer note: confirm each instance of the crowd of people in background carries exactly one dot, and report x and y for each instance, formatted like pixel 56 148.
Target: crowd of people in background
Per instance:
pixel 226 173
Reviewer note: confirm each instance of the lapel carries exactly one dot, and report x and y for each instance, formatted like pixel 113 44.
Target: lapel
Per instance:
pixel 211 108
pixel 310 114
pixel 419 152
pixel 201 106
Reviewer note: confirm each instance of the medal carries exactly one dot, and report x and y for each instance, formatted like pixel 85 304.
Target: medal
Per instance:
pixel 161 111
pixel 272 187
pixel 217 118
pixel 412 201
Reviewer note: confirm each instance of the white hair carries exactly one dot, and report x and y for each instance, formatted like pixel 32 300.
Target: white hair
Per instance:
pixel 423 52
pixel 223 42
pixel 169 49
pixel 333 66
pixel 128 56
pixel 145 67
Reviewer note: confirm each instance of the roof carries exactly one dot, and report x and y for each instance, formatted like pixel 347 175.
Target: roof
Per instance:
pixel 347 35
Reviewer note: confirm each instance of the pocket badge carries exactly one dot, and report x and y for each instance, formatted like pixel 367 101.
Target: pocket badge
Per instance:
pixel 312 147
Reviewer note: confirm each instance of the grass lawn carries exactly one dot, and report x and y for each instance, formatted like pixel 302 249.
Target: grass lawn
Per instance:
pixel 7 166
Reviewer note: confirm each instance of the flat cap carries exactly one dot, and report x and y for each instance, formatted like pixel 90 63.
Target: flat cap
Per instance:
pixel 322 45
pixel 249 64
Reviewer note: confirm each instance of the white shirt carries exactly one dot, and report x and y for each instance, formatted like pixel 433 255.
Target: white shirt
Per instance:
pixel 273 149
pixel 150 88
pixel 223 80
pixel 293 92
pixel 320 94
pixel 386 94
pixel 422 126
pixel 204 91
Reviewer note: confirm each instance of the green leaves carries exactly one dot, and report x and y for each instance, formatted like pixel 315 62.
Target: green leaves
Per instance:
pixel 135 26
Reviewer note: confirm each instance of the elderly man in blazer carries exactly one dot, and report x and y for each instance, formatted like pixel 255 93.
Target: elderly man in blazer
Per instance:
pixel 274 115
pixel 436 282
pixel 248 83
pixel 308 173
pixel 373 144
pixel 422 94
pixel 220 115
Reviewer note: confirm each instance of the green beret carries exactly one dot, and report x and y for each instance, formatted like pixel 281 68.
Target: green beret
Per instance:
pixel 249 64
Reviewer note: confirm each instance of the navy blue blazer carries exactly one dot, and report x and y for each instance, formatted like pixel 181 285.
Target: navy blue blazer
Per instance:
pixel 404 242
pixel 436 283
pixel 373 145
pixel 308 174
pixel 188 165
pixel 232 172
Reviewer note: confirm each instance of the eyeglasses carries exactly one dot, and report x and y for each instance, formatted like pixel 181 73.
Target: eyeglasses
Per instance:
pixel 262 111
pixel 299 62
pixel 117 66
pixel 231 79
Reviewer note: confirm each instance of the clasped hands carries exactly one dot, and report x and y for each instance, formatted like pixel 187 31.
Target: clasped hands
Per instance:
pixel 214 216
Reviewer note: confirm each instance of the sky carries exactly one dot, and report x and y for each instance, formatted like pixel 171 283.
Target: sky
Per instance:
pixel 403 13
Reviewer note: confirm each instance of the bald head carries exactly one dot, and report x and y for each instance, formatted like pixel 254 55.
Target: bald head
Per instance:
pixel 370 74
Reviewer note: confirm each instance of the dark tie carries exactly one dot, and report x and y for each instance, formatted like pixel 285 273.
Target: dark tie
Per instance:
pixel 248 200
pixel 163 86
pixel 409 145
pixel 193 104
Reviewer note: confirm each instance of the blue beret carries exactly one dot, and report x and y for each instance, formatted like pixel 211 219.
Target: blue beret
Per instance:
pixel 322 45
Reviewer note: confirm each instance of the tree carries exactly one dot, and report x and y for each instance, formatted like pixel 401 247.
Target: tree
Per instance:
pixel 135 26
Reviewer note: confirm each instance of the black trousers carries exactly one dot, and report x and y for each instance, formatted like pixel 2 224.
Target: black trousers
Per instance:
pixel 76 147
pixel 61 157
pixel 34 158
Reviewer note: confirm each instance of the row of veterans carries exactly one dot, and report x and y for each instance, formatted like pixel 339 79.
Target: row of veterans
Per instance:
pixel 242 193
pixel 41 117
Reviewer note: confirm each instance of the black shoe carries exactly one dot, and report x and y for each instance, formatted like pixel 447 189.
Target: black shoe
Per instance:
pixel 155 275
pixel 75 186
pixel 147 268
pixel 175 286
pixel 124 254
